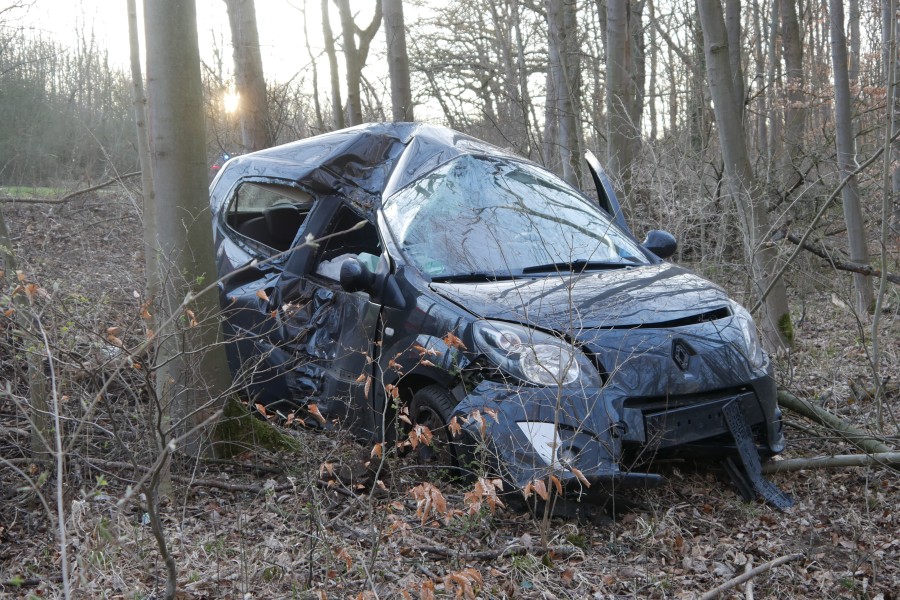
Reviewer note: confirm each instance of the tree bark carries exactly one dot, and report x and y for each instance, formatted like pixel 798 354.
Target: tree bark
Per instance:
pixel 193 373
pixel 846 154
pixel 355 55
pixel 398 61
pixel 795 111
pixel 620 131
pixel 855 44
pixel 337 105
pixel 564 68
pixel 148 213
pixel 752 204
pixel 250 83
pixel 733 27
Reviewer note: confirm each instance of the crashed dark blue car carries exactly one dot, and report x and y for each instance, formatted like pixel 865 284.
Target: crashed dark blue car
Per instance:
pixel 408 270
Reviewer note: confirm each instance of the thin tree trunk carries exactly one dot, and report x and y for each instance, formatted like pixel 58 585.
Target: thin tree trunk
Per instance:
pixel 355 55
pixel 398 61
pixel 855 43
pixel 654 53
pixel 846 152
pixel 248 74
pixel 148 214
pixel 337 105
pixel 151 267
pixel 774 141
pixel 320 123
pixel 564 68
pixel 762 130
pixel 752 205
pixel 795 111
pixel 733 27
pixel 618 96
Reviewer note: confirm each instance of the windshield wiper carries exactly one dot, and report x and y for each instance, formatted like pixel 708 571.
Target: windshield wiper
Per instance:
pixel 475 276
pixel 576 266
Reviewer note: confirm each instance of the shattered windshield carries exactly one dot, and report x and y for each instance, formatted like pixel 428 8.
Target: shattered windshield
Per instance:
pixel 477 216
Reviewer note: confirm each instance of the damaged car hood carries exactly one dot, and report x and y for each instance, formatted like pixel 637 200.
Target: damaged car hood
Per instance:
pixel 653 295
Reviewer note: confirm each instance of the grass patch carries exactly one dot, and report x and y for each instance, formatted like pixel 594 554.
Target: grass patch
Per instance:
pixel 24 191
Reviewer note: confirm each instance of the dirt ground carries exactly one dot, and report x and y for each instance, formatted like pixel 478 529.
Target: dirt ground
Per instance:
pixel 270 525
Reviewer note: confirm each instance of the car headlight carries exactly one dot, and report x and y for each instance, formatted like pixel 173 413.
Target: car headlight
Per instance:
pixel 755 353
pixel 534 356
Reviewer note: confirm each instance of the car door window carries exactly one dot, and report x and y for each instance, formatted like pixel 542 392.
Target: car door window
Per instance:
pixel 345 238
pixel 268 215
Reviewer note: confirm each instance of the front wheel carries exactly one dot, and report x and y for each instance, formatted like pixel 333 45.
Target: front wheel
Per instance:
pixel 432 407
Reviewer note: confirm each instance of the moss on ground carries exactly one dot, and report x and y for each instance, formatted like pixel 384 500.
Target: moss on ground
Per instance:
pixel 238 431
pixel 786 327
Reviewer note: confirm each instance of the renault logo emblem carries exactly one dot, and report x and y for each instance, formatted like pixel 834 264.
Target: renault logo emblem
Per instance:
pixel 681 354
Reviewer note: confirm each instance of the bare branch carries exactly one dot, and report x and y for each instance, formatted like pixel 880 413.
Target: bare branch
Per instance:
pixel 732 583
pixel 70 195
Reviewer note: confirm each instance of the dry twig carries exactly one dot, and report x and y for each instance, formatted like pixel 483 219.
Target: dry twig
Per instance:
pixel 747 576
pixel 70 195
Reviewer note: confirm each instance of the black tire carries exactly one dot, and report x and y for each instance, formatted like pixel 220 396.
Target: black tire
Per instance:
pixel 433 406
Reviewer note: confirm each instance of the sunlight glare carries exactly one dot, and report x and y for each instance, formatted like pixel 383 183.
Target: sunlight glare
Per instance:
pixel 230 101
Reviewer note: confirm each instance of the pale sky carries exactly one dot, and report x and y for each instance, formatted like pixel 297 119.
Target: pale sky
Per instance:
pixel 280 24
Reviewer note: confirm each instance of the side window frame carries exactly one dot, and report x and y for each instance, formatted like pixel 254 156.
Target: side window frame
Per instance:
pixel 334 218
pixel 298 195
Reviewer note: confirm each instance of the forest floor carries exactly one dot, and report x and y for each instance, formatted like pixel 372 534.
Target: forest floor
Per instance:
pixel 269 525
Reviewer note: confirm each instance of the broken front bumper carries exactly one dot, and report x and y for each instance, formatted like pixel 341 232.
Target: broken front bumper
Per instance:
pixel 506 427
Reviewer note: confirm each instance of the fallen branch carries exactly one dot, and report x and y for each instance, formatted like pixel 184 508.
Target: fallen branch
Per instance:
pixel 71 195
pixel 509 551
pixel 843 265
pixel 833 462
pixel 230 486
pixel 732 583
pixel 860 439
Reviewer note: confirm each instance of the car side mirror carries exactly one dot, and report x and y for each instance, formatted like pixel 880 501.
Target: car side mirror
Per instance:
pixel 355 277
pixel 659 242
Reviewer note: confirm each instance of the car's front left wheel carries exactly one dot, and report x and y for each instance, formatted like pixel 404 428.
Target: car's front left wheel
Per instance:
pixel 432 407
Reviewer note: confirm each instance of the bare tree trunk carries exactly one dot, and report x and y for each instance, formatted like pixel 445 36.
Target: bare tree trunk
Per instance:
pixel 337 105
pixel 621 133
pixel 846 152
pixel 855 43
pixel 320 123
pixel 654 53
pixel 733 27
pixel 398 61
pixel 355 55
pixel 774 142
pixel 892 73
pixel 151 266
pixel 148 214
pixel 193 373
pixel 248 74
pixel 795 112
pixel 752 205
pixel 564 69
pixel 638 70
pixel 522 81
pixel 762 111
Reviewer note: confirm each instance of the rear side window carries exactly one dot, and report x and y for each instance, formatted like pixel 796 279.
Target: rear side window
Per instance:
pixel 268 214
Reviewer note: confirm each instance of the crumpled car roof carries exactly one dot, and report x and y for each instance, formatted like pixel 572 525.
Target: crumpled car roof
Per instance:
pixel 365 163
